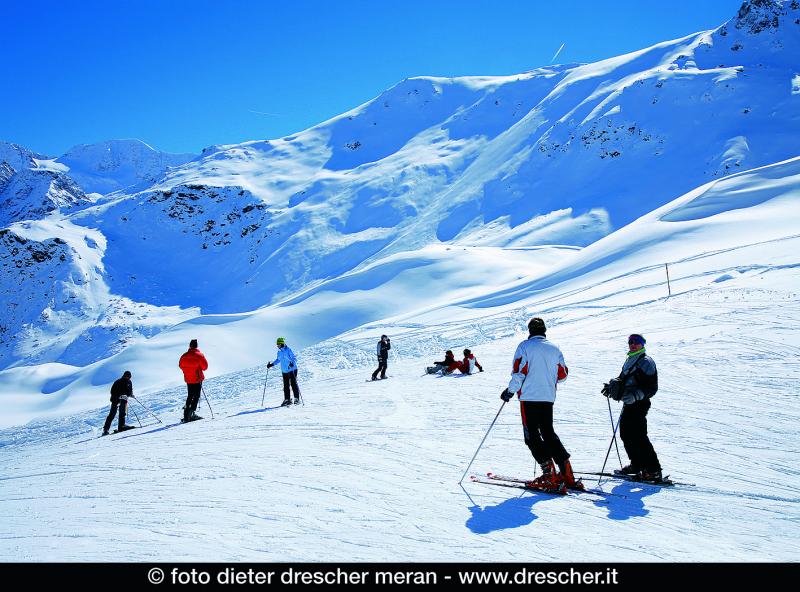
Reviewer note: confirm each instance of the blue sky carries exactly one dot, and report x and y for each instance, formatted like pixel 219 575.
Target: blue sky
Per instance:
pixel 182 75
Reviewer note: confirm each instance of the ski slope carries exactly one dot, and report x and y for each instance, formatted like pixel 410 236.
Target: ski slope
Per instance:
pixel 369 471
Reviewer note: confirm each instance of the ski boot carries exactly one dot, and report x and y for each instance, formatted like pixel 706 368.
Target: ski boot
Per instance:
pixel 125 428
pixel 297 400
pixel 654 477
pixel 548 481
pixel 105 433
pixel 627 470
pixel 568 478
pixel 286 402
pixel 194 416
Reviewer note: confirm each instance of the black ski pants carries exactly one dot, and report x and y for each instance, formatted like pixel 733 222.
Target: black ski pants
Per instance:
pixel 290 379
pixel 383 364
pixel 193 397
pixel 633 431
pixel 123 407
pixel 537 426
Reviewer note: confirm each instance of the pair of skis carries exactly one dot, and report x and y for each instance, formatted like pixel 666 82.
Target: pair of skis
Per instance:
pixel 562 490
pixel 528 485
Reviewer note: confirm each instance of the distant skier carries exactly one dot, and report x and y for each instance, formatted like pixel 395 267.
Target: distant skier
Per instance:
pixel 446 366
pixel 384 345
pixel 193 362
pixel 538 366
pixel 288 364
pixel 469 363
pixel 120 391
pixel 635 386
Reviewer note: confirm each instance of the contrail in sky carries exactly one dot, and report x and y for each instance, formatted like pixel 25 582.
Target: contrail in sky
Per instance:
pixel 263 113
pixel 558 52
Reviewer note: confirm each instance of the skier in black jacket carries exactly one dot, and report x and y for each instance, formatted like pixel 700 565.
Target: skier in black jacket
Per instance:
pixel 120 391
pixel 636 384
pixel 384 345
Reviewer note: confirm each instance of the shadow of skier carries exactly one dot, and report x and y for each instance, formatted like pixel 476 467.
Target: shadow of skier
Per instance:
pixel 511 513
pixel 251 411
pixel 628 501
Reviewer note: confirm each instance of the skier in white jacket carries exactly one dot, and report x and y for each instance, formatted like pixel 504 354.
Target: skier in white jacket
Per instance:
pixel 538 367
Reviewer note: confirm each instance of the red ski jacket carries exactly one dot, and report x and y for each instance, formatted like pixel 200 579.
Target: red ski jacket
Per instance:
pixel 193 362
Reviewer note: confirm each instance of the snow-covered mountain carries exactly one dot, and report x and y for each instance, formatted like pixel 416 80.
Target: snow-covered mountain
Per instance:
pixel 30 189
pixel 492 168
pixel 117 165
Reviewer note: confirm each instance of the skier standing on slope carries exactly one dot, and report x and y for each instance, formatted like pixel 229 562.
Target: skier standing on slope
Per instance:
pixel 193 362
pixel 635 386
pixel 288 364
pixel 384 345
pixel 538 366
pixel 120 391
pixel 469 363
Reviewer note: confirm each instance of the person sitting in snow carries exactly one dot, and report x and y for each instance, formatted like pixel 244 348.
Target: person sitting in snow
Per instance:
pixel 469 363
pixel 288 362
pixel 446 366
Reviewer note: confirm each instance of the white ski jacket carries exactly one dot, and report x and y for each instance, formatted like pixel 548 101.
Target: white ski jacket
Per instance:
pixel 538 366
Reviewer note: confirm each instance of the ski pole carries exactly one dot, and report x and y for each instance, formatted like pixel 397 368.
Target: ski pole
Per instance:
pixel 482 441
pixel 263 394
pixel 207 402
pixel 136 416
pixel 146 409
pixel 610 444
pixel 616 445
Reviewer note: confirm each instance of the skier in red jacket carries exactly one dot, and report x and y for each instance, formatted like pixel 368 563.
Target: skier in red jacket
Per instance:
pixel 193 362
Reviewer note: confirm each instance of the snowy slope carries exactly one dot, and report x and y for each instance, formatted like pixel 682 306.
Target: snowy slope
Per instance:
pixel 369 471
pixel 562 155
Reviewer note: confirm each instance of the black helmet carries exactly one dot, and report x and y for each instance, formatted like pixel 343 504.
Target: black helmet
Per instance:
pixel 467 352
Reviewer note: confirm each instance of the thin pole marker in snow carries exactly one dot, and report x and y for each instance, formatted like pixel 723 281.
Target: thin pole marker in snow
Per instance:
pixel 481 444
pixel 669 288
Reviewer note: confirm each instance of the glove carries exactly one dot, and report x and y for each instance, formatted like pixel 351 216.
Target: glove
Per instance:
pixel 269 365
pixel 506 396
pixel 291 365
pixel 605 391
pixel 632 396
